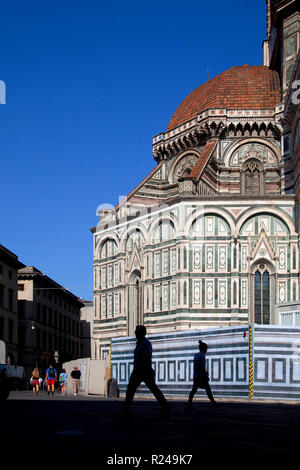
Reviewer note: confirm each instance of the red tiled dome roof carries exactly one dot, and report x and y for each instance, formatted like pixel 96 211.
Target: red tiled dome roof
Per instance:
pixel 241 87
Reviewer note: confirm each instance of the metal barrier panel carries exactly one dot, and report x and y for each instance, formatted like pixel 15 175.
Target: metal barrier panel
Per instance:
pixel 227 360
pixel 276 351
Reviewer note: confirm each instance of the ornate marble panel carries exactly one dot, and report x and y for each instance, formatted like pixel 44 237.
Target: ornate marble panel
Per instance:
pixel 222 294
pixel 282 291
pixel 209 292
pixel 222 258
pixel 282 257
pixel 209 257
pixel 197 256
pixel 173 294
pixel 244 293
pixel 197 292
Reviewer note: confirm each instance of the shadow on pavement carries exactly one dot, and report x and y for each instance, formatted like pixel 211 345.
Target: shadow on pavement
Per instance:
pixel 95 427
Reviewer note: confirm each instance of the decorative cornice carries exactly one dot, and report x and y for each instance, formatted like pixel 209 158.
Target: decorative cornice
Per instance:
pixel 217 123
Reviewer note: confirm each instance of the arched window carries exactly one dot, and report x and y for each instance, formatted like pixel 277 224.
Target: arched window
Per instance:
pixel 262 295
pixel 253 178
pixel 134 238
pixel 165 231
pixel 108 249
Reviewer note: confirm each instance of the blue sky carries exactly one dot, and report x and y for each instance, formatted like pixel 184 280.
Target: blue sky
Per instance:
pixel 88 84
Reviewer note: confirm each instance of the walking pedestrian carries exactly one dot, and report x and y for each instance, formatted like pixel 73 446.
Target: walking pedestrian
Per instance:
pixel 76 374
pixel 51 378
pixel 35 378
pixel 63 381
pixel 143 372
pixel 201 377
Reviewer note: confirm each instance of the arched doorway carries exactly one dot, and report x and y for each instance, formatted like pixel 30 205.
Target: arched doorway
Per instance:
pixel 134 301
pixel 10 359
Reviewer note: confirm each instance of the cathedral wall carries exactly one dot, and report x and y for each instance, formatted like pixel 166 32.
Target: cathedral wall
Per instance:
pixel 275 368
pixel 194 265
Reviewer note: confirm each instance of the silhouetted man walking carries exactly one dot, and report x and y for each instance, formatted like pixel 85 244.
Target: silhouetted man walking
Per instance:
pixel 200 375
pixel 143 372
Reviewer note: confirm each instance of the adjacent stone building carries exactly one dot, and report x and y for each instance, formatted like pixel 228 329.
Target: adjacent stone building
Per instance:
pixel 86 324
pixel 211 236
pixel 49 321
pixel 9 265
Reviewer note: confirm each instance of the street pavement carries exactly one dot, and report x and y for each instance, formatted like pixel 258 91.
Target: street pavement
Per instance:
pixel 236 433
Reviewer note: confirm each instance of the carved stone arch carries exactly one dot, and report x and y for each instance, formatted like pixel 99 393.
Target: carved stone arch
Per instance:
pixel 127 232
pixel 265 210
pixel 269 265
pixel 160 220
pixel 230 150
pixel 184 161
pixel 194 233
pixel 226 216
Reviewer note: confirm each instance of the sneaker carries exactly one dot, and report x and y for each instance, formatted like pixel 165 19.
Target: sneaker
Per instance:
pixel 48 393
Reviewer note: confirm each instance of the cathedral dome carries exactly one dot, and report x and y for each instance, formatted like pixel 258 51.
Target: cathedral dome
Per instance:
pixel 240 87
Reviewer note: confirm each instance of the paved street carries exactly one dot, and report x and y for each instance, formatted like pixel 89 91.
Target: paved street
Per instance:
pixel 91 426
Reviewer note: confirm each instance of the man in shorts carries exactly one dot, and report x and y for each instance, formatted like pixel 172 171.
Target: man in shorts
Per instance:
pixel 51 377
pixel 76 374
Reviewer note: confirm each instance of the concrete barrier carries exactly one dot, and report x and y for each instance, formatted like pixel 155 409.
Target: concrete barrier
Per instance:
pixel 93 376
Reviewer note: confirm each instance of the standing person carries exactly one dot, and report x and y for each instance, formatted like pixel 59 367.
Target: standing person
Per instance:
pixel 35 376
pixel 143 372
pixel 200 375
pixel 51 377
pixel 63 381
pixel 76 374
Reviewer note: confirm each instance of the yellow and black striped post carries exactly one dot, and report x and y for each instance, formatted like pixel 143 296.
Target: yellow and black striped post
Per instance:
pixel 250 362
pixel 108 369
pixel 110 348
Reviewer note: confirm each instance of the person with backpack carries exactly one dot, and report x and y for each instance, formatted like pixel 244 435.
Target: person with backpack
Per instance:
pixel 51 377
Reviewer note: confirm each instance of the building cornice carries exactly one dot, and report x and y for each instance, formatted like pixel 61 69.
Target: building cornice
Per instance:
pixel 31 273
pixel 217 123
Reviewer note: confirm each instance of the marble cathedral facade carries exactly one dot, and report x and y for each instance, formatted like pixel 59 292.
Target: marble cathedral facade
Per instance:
pixel 210 237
